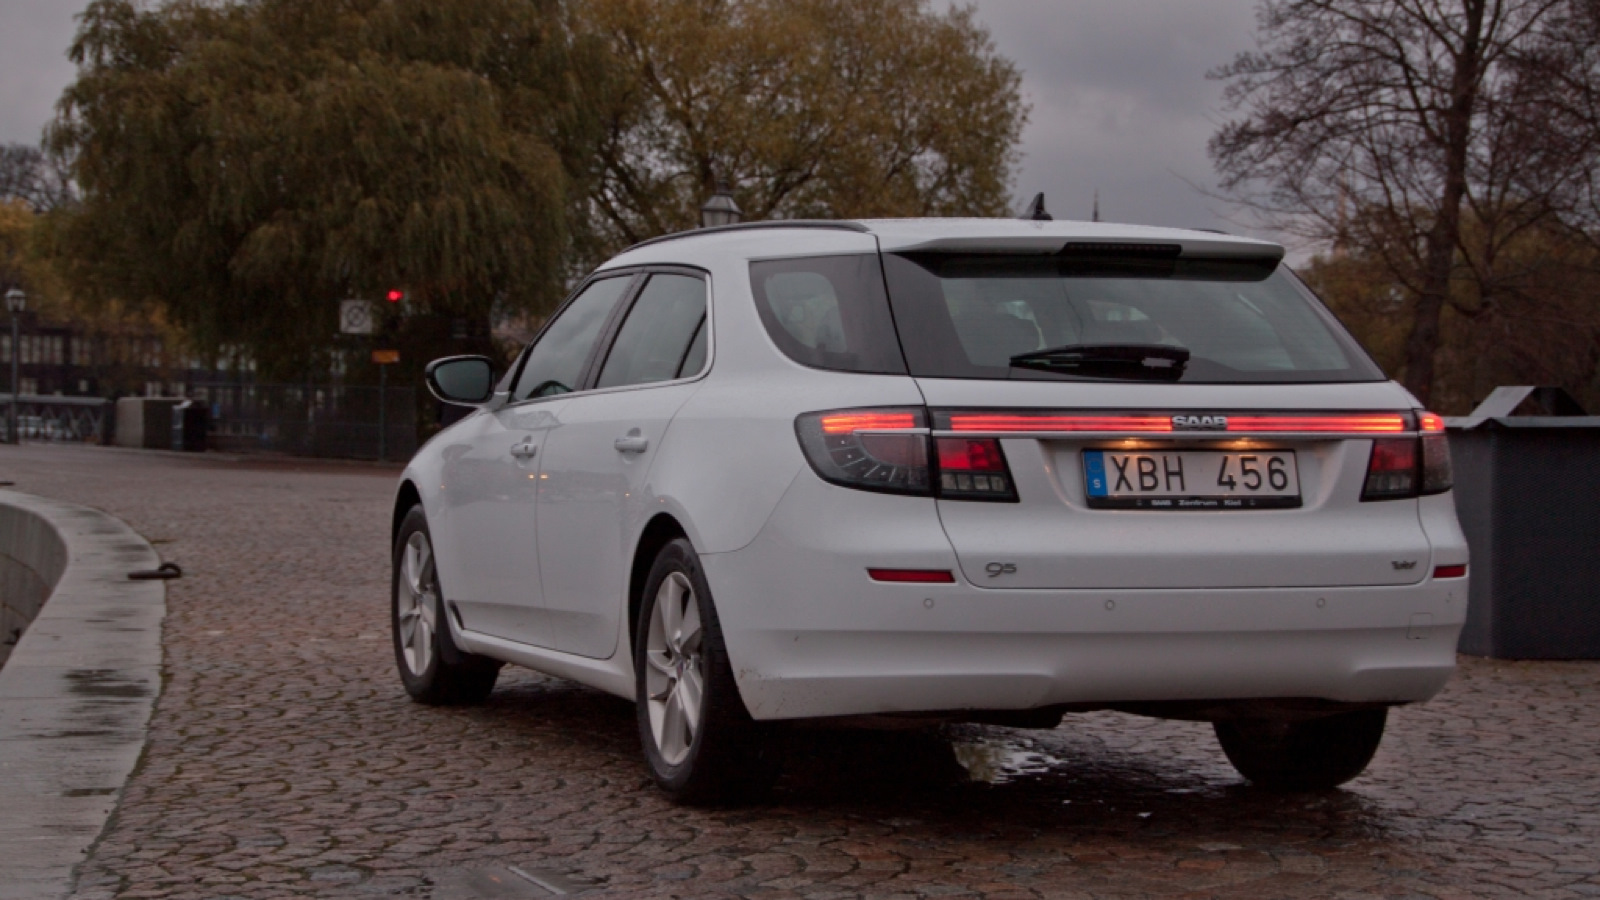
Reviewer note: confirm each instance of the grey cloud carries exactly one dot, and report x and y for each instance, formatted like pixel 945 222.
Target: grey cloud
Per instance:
pixel 34 69
pixel 1121 102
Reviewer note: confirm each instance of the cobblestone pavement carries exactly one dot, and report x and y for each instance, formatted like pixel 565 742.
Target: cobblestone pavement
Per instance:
pixel 284 759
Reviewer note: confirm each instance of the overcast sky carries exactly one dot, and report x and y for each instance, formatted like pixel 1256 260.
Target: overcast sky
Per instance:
pixel 1117 87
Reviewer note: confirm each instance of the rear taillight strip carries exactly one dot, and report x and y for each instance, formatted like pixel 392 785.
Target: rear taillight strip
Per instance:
pixel 848 423
pixel 964 423
pixel 1382 424
pixel 1118 426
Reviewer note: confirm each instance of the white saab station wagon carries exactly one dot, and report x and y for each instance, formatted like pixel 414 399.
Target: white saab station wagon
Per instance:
pixel 978 470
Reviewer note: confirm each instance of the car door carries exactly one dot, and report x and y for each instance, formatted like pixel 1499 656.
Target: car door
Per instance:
pixel 593 485
pixel 492 466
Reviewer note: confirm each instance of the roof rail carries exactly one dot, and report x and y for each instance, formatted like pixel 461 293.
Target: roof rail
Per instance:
pixel 831 224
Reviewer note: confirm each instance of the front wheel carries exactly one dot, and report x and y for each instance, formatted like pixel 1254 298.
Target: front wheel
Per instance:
pixel 1308 755
pixel 434 670
pixel 700 743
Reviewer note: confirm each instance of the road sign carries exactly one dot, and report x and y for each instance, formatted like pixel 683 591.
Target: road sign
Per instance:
pixel 385 357
pixel 355 317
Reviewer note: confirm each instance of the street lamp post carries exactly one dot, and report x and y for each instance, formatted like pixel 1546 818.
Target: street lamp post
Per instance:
pixel 720 209
pixel 16 302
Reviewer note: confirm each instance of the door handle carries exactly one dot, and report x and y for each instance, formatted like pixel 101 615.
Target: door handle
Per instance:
pixel 525 450
pixel 633 443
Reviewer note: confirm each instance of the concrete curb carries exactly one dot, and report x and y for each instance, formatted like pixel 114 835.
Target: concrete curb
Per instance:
pixel 76 693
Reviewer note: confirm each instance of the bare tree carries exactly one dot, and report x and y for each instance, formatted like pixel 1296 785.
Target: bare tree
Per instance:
pixel 28 175
pixel 1377 124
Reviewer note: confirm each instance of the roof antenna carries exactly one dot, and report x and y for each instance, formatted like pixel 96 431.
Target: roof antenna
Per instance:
pixel 1036 211
pixel 1096 213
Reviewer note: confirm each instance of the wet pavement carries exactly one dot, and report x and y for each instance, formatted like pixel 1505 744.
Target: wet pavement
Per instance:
pixel 285 760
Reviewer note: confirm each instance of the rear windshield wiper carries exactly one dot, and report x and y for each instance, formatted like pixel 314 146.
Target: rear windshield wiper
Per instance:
pixel 1134 362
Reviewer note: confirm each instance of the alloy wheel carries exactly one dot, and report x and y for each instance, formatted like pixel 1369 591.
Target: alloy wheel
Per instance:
pixel 417 604
pixel 675 681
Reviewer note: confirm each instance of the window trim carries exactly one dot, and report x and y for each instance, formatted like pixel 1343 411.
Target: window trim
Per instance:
pixel 613 326
pixel 514 374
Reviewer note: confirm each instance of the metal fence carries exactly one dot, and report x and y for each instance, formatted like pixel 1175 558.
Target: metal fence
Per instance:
pixel 354 422
pixel 50 418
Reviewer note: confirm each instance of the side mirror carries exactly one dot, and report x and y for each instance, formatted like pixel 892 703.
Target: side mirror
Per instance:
pixel 462 380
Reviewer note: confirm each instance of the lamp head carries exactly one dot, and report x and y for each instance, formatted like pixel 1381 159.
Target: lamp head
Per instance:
pixel 16 301
pixel 720 209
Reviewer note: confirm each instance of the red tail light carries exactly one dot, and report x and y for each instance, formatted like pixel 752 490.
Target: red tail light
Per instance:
pixel 973 468
pixel 1392 470
pixel 848 448
pixel 1410 467
pixel 1437 474
pixel 891 451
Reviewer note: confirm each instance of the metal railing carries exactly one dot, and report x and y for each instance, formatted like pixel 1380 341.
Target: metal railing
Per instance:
pixel 354 422
pixel 50 418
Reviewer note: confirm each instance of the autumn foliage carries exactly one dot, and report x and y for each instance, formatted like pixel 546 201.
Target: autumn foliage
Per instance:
pixel 245 166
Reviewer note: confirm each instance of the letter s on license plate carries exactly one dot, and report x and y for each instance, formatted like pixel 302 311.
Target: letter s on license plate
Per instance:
pixel 1191 479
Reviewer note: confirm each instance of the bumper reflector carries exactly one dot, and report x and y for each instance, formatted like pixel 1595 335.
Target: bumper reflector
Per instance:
pixel 913 576
pixel 1450 572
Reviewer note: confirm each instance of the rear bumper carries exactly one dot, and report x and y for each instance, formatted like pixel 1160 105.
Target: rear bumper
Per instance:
pixel 810 635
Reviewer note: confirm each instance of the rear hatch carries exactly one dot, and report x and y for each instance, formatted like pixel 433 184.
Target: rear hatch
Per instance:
pixel 1162 520
pixel 1165 421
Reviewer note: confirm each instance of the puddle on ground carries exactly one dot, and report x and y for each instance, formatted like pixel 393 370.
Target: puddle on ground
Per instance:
pixel 997 761
pixel 104 683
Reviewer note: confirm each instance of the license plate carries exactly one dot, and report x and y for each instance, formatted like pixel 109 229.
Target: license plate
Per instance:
pixel 1191 479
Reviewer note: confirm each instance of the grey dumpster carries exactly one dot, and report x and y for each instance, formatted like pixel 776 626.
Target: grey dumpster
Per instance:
pixel 1527 490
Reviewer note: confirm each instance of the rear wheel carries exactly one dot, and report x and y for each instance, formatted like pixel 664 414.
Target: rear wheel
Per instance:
pixel 1308 755
pixel 434 670
pixel 700 743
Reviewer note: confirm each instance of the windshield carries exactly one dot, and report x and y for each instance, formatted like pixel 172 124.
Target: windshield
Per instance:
pixel 1241 321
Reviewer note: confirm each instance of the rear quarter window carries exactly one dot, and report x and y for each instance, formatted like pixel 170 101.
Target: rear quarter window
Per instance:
pixel 829 312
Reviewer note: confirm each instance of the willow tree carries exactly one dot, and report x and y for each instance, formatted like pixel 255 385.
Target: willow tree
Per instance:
pixel 1381 126
pixel 804 108
pixel 246 166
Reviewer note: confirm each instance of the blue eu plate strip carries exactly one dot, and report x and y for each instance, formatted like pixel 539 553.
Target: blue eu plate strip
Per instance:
pixel 1094 471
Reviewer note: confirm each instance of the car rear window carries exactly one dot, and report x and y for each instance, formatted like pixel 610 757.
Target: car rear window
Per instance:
pixel 1242 321
pixel 829 312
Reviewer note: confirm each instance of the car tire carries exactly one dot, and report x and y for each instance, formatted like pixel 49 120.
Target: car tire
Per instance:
pixel 1306 755
pixel 699 741
pixel 434 670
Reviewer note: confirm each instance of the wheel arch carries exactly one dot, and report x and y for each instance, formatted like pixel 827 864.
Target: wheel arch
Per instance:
pixel 661 530
pixel 405 498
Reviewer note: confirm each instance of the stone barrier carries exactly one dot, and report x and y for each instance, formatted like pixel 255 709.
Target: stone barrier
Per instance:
pixel 32 558
pixel 78 687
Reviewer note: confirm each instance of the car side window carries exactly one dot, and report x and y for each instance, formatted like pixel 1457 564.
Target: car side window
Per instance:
pixel 829 312
pixel 660 334
pixel 556 361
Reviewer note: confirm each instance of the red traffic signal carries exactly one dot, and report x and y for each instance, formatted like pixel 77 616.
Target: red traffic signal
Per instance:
pixel 395 296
